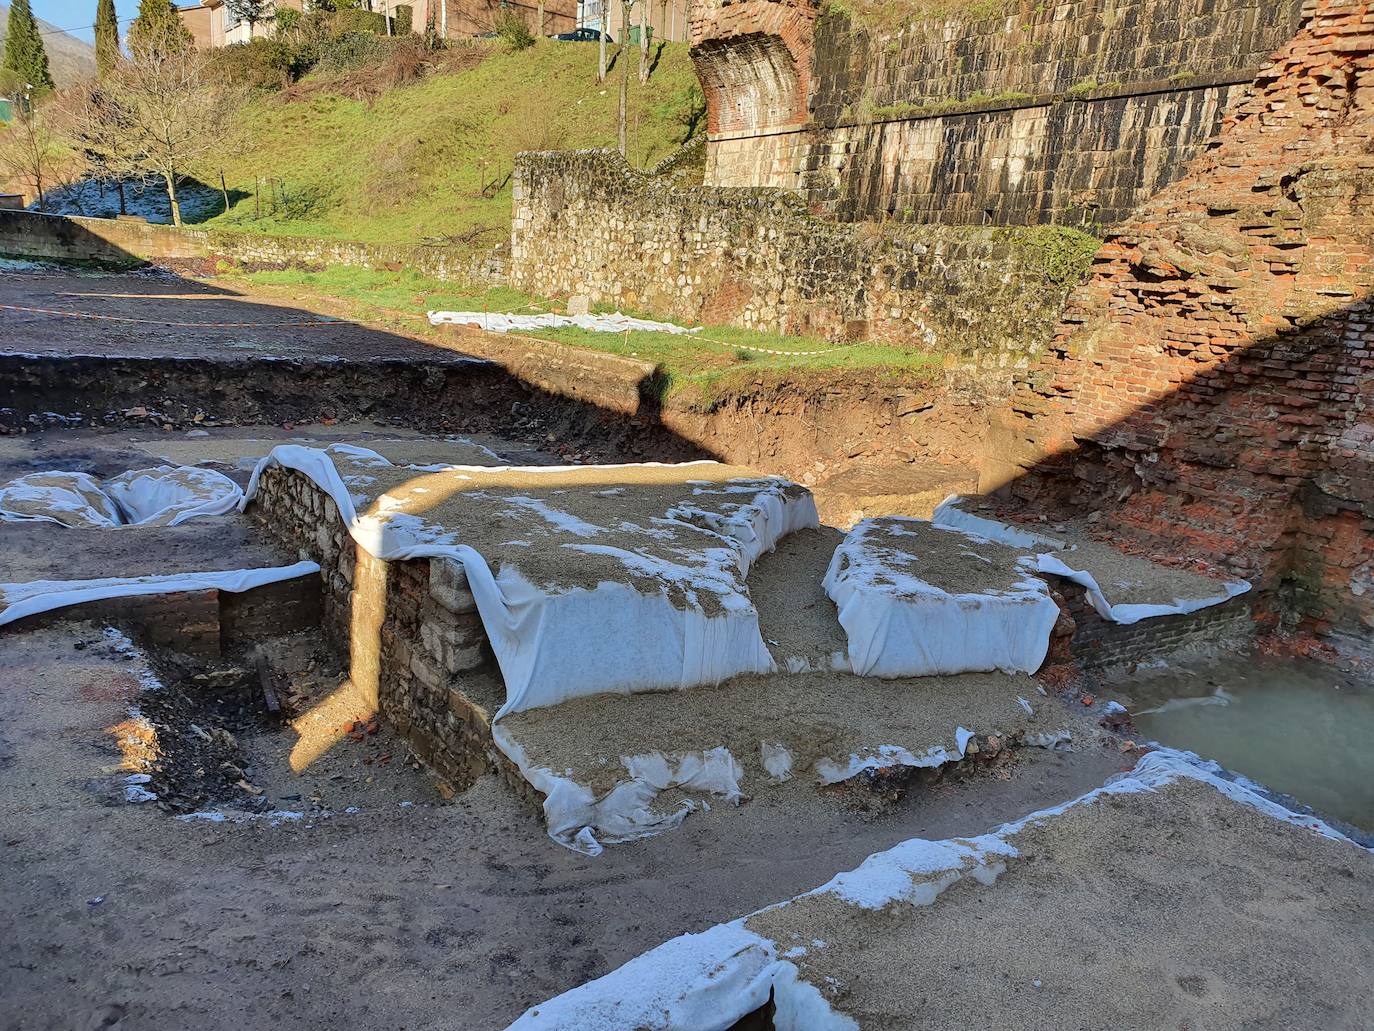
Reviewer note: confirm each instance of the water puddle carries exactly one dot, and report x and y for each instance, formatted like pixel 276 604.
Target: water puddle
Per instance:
pixel 1297 727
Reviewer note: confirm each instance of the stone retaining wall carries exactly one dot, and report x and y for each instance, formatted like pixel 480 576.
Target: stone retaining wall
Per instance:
pixel 586 223
pixel 1068 111
pixel 29 234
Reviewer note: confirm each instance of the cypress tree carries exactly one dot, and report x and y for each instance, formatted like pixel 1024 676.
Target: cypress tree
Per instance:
pixel 24 53
pixel 158 27
pixel 106 37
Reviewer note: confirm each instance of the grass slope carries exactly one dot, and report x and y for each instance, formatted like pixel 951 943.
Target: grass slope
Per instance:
pixel 433 159
pixel 705 364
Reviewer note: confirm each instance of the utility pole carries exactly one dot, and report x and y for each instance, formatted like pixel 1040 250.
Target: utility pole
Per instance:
pixel 605 27
pixel 643 41
pixel 624 76
pixel 443 20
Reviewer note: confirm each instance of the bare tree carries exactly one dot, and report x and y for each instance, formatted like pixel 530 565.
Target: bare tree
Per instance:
pixel 30 151
pixel 97 125
pixel 171 112
pixel 252 11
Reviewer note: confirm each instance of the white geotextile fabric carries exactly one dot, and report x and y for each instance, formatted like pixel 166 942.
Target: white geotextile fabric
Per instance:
pixel 1133 613
pixel 504 322
pixel 901 626
pixel 577 819
pixel 708 981
pixel 554 646
pixel 168 495
pixel 69 499
pixel 948 514
pixel 27 599
pixel 165 495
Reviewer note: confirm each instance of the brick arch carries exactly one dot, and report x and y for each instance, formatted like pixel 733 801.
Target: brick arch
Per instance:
pixel 753 58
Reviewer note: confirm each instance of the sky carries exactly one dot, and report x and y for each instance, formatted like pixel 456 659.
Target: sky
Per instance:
pixel 80 15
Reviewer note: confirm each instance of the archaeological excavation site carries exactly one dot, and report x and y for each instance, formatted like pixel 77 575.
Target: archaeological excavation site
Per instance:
pixel 905 560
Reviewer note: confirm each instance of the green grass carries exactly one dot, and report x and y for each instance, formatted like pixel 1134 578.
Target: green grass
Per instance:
pixel 705 365
pixel 432 160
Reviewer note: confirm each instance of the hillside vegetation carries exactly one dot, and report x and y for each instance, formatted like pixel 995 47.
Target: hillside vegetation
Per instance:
pixel 332 155
pixel 69 58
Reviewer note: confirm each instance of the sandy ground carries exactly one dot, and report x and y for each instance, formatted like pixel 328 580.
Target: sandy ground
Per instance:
pixel 1133 580
pixel 815 716
pixel 947 559
pixel 162 297
pixel 46 551
pixel 1125 578
pixel 656 527
pixel 1179 909
pixel 796 617
pixel 457 915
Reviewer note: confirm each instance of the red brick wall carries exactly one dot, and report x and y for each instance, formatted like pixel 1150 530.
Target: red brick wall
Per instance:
pixel 753 58
pixel 1210 390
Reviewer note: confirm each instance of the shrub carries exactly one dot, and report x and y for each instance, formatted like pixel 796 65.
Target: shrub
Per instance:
pixel 353 21
pixel 402 22
pixel 262 63
pixel 512 29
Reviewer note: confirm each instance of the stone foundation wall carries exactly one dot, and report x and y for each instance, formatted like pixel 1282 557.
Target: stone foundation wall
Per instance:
pixel 409 630
pixel 1071 111
pixel 1209 391
pixel 205 623
pixel 586 223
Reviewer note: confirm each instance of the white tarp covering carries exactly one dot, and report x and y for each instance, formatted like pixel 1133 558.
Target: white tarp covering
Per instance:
pixel 164 495
pixel 708 981
pixel 1133 613
pixel 949 514
pixel 27 599
pixel 69 499
pixel 578 820
pixel 555 645
pixel 504 322
pixel 901 626
pixel 167 495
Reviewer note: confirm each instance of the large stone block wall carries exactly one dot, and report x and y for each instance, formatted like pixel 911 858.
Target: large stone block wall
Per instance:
pixel 409 631
pixel 1210 390
pixel 1070 111
pixel 586 223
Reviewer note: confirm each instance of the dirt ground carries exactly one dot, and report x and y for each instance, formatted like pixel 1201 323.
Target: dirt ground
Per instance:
pixel 228 322
pixel 1251 923
pixel 456 914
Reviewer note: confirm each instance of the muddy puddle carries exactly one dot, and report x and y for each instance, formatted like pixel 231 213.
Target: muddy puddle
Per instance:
pixel 1298 727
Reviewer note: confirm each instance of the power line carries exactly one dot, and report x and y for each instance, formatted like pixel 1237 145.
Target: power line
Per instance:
pixel 82 28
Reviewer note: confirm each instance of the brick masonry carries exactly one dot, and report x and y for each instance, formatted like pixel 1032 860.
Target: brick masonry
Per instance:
pixel 1210 388
pixel 410 630
pixel 586 223
pixel 1073 111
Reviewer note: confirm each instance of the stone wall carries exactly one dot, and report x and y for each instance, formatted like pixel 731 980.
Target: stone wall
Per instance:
pixel 410 632
pixel 586 223
pixel 1072 111
pixel 29 234
pixel 207 622
pixel 1209 391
